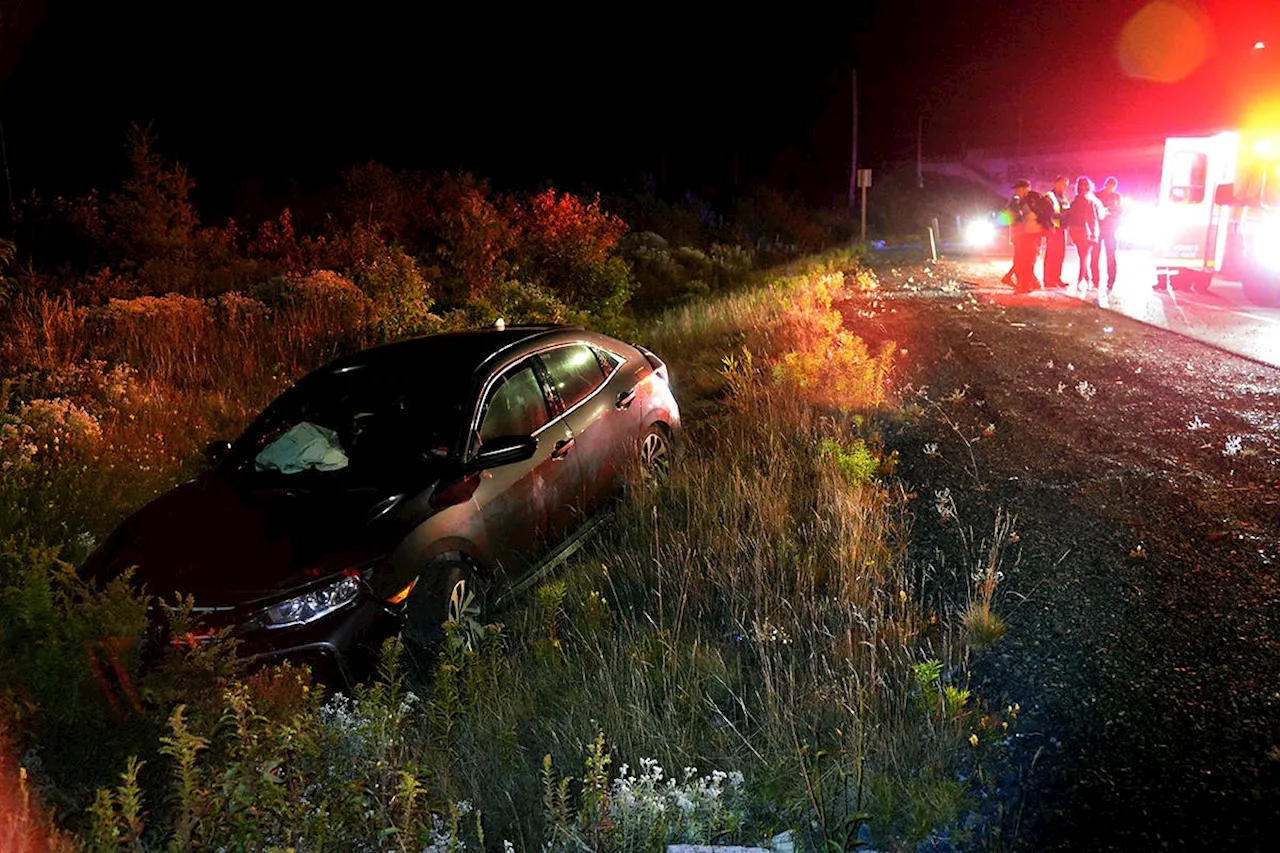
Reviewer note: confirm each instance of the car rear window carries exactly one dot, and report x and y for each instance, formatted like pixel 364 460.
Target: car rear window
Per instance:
pixel 575 372
pixel 608 361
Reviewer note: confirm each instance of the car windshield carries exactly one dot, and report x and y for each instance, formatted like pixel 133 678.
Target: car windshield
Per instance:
pixel 352 427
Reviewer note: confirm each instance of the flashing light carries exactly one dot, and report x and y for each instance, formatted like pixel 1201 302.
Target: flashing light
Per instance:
pixel 1262 146
pixel 1259 45
pixel 1140 225
pixel 979 233
pixel 1267 252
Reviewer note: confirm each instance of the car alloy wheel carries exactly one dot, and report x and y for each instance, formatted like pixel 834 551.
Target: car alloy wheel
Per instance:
pixel 464 613
pixel 655 455
pixel 448 604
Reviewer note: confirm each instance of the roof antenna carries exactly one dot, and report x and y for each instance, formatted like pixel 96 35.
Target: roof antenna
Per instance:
pixel 500 324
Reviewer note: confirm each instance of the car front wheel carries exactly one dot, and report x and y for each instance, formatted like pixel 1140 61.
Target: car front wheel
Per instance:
pixel 448 605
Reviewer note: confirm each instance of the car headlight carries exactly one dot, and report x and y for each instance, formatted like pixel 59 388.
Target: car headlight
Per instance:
pixel 980 232
pixel 312 605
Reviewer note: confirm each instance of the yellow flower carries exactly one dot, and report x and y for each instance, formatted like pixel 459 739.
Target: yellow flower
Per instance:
pixel 973 741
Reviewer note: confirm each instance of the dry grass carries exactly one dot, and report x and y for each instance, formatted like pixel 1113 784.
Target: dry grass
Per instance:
pixel 755 614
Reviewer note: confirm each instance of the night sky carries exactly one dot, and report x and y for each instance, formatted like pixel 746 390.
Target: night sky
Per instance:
pixel 283 94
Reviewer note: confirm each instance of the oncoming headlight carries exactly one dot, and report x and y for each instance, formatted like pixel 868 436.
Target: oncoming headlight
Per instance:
pixel 980 232
pixel 313 605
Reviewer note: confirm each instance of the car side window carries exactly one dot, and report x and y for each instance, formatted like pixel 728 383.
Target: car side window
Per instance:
pixel 516 405
pixel 575 372
pixel 608 361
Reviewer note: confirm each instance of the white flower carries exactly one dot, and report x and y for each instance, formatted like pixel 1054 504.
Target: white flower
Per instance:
pixel 944 504
pixel 1195 423
pixel 931 449
pixel 1234 445
pixel 1085 390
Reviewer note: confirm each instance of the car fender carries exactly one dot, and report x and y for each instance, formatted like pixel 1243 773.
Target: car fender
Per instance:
pixel 457 529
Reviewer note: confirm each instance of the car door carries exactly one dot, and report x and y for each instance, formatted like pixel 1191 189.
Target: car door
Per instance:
pixel 518 501
pixel 600 420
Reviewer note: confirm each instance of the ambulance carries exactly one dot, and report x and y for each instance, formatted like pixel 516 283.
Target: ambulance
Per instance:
pixel 1218 214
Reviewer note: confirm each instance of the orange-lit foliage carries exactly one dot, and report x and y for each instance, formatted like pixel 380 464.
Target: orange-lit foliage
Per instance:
pixel 823 362
pixel 470 238
pixel 567 245
pixel 563 228
pixel 276 239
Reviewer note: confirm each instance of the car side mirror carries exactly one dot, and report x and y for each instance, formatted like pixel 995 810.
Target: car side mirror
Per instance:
pixel 504 450
pixel 1225 194
pixel 216 451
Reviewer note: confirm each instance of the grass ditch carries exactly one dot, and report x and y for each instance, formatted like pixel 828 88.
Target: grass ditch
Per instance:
pixel 744 652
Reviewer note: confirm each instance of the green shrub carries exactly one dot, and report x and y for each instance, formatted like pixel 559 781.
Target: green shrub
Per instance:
pixel 61 639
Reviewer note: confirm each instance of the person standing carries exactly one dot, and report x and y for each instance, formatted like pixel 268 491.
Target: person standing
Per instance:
pixel 1010 214
pixel 1027 233
pixel 1114 203
pixel 1055 250
pixel 1084 221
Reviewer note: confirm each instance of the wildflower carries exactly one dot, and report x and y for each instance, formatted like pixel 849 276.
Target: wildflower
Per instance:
pixel 1085 390
pixel 931 450
pixel 944 504
pixel 1195 424
pixel 1234 445
pixel 973 741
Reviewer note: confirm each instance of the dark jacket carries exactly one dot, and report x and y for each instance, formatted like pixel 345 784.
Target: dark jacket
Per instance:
pixel 1114 204
pixel 1024 216
pixel 1086 213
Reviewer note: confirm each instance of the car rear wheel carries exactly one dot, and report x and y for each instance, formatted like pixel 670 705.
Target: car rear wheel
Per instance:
pixel 655 454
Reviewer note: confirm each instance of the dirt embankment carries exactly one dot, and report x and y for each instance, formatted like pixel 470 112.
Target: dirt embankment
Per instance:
pixel 1144 606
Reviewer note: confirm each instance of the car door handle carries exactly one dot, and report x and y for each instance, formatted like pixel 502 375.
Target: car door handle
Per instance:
pixel 625 399
pixel 563 446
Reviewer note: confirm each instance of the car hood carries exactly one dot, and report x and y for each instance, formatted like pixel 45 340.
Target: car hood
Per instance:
pixel 228 545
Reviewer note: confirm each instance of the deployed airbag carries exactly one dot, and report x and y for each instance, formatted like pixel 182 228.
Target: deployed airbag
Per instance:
pixel 304 447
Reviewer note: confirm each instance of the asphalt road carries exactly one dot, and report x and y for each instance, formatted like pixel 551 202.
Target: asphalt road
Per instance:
pixel 1222 317
pixel 1142 592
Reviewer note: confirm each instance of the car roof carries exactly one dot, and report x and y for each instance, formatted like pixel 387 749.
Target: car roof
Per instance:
pixel 464 351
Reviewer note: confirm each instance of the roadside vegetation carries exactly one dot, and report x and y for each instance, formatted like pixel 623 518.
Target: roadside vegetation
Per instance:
pixel 745 652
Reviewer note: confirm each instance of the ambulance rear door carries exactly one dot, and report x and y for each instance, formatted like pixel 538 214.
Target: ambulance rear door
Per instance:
pixel 1194 166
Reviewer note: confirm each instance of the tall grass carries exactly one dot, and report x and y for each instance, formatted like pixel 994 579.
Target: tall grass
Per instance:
pixel 753 616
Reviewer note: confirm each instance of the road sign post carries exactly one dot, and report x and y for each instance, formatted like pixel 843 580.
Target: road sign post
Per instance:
pixel 864 181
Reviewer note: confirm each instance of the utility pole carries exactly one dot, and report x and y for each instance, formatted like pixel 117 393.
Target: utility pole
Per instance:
pixel 920 151
pixel 853 157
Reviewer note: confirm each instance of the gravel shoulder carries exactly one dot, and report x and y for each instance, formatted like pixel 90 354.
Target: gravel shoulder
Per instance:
pixel 1143 593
